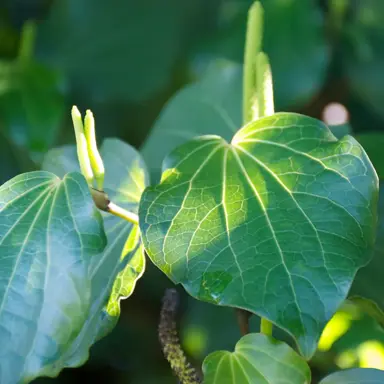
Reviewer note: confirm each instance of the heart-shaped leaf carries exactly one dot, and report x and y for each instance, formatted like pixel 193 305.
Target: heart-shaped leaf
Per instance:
pixel 277 222
pixel 115 271
pixel 355 376
pixel 50 235
pixel 258 359
pixel 216 104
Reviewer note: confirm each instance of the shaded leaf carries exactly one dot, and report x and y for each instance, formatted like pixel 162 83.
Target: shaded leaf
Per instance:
pixel 277 222
pixel 31 104
pixel 373 144
pixel 49 238
pixel 258 359
pixel 213 106
pixel 115 271
pixel 367 289
pixel 363 38
pixel 109 51
pixel 355 376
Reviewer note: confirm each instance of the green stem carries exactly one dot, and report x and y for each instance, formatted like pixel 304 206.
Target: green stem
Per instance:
pixel 27 41
pixel 266 327
pixel 122 213
pixel 264 104
pixel 103 203
pixel 253 41
pixel 257 86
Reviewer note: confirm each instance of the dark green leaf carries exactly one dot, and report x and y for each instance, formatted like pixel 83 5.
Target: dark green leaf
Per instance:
pixel 355 376
pixel 213 106
pixel 373 144
pixel 277 222
pixel 122 51
pixel 258 359
pixel 32 105
pixel 363 54
pixel 298 51
pixel 115 271
pixel 49 238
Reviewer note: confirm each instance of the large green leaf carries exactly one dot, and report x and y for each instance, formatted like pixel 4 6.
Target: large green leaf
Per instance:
pixel 115 271
pixel 49 238
pixel 31 104
pixel 355 376
pixel 216 104
pixel 123 51
pixel 258 359
pixel 277 222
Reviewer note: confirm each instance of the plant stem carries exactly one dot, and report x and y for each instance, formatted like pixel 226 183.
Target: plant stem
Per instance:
pixel 103 203
pixel 266 327
pixel 243 320
pixel 264 100
pixel 257 86
pixel 27 41
pixel 122 213
pixel 253 41
pixel 265 107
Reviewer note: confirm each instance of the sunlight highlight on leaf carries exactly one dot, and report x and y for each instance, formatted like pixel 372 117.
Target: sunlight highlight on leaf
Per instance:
pixel 277 222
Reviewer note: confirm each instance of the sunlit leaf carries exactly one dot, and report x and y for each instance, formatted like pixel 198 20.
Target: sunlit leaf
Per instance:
pixel 257 359
pixel 355 376
pixel 277 222
pixel 115 271
pixel 49 238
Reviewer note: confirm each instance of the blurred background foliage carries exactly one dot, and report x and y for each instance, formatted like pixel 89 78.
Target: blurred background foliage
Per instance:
pixel 125 59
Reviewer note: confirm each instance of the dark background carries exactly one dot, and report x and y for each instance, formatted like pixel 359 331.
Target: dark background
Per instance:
pixel 125 60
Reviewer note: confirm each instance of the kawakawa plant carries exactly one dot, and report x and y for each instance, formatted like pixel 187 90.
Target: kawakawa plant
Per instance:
pixel 275 222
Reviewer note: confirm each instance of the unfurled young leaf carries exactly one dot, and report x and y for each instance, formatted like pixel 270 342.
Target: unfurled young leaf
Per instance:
pixel 276 222
pixel 257 359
